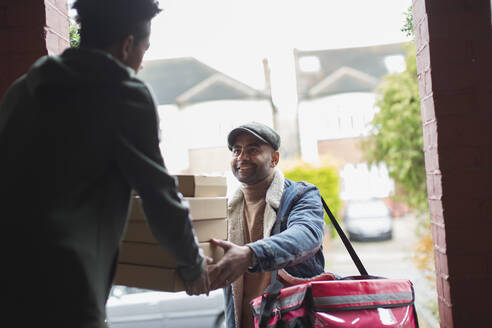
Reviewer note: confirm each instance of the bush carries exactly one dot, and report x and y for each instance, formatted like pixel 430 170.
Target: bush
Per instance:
pixel 327 181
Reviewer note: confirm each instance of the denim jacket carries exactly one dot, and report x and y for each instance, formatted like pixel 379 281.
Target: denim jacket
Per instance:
pixel 297 248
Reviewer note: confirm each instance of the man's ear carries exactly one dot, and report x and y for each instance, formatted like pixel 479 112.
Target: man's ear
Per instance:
pixel 126 47
pixel 275 158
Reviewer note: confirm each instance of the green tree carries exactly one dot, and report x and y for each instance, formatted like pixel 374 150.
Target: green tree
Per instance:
pixel 408 26
pixel 397 138
pixel 74 35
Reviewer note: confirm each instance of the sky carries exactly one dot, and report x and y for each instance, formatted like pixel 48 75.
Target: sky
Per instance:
pixel 233 36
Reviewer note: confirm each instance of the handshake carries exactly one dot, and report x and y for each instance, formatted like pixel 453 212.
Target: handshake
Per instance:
pixel 231 266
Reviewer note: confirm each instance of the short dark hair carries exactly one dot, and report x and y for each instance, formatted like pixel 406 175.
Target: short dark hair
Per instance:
pixel 106 22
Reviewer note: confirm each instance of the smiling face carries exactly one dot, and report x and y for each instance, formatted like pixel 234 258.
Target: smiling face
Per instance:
pixel 252 160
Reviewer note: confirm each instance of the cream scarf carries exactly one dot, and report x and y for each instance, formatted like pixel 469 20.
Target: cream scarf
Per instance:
pixel 235 229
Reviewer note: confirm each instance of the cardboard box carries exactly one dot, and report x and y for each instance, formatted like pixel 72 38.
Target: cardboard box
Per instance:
pixel 206 208
pixel 144 264
pixel 155 255
pixel 148 278
pixel 138 231
pixel 149 266
pixel 203 208
pixel 208 229
pixel 202 185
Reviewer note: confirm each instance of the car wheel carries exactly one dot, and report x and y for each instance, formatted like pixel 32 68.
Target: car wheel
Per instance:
pixel 220 322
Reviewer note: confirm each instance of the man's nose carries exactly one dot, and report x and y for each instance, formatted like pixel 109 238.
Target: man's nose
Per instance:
pixel 243 155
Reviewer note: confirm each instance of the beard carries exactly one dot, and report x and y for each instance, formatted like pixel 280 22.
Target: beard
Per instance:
pixel 249 173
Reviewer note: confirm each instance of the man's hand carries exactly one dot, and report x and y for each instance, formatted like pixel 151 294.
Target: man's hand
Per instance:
pixel 234 263
pixel 201 284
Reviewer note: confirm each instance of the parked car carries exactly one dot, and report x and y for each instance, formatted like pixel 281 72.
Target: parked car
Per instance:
pixel 129 307
pixel 368 219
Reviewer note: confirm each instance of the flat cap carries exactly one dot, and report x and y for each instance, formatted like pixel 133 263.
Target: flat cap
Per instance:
pixel 259 130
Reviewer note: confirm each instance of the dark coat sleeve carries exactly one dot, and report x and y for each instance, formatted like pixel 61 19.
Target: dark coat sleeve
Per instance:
pixel 139 158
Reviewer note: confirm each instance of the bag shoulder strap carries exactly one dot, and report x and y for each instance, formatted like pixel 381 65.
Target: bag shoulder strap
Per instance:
pixel 345 240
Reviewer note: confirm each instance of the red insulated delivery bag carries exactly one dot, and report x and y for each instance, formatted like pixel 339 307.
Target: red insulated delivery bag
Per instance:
pixel 342 303
pixel 324 301
pixel 363 303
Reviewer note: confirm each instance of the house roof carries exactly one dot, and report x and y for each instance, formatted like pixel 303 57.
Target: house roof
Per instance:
pixel 184 81
pixel 344 70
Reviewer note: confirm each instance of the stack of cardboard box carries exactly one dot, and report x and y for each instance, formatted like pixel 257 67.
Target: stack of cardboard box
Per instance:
pixel 143 263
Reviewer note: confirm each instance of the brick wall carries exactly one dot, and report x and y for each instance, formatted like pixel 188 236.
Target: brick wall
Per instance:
pixel 29 29
pixel 57 26
pixel 453 43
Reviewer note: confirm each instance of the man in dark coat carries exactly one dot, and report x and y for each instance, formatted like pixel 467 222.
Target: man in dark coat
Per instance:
pixel 78 133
